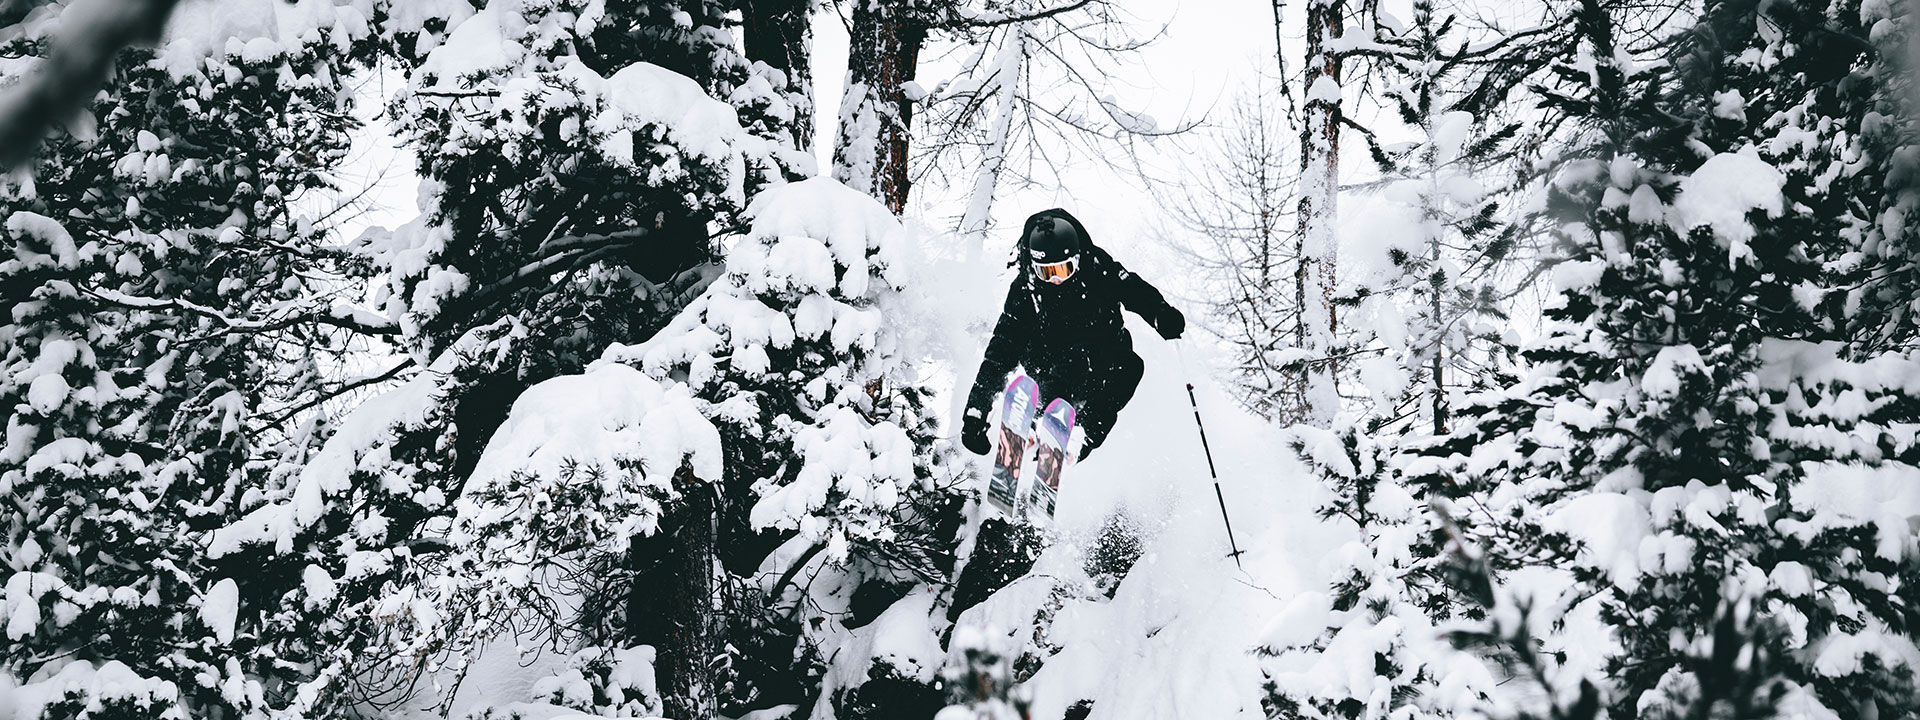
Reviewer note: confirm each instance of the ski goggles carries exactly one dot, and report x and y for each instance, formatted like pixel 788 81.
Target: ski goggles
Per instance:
pixel 1056 273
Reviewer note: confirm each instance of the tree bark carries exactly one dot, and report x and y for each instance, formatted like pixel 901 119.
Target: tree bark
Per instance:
pixel 80 61
pixel 671 602
pixel 780 34
pixel 1319 187
pixel 870 153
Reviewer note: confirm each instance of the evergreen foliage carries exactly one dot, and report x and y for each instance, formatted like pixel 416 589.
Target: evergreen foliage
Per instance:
pixel 1430 320
pixel 1685 441
pixel 165 302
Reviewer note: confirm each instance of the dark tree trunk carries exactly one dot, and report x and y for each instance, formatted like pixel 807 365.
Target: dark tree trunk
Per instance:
pixel 671 602
pixel 870 153
pixel 780 34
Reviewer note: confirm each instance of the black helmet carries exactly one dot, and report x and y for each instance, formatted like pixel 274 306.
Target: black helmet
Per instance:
pixel 1051 239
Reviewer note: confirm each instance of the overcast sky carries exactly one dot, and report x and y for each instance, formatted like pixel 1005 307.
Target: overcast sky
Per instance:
pixel 1210 50
pixel 1210 47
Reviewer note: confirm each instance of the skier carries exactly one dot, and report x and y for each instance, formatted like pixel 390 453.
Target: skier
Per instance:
pixel 1062 322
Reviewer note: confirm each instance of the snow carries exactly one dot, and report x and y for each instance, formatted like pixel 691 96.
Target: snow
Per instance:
pixel 1886 498
pixel 93 686
pixel 64 254
pixel 320 586
pixel 47 393
pixel 252 31
pixel 219 608
pixel 645 94
pixel 1578 274
pixel 22 601
pixel 1450 134
pixel 1611 528
pixel 1177 638
pixel 1325 89
pixel 477 46
pixel 1729 105
pixel 1791 578
pixel 1663 378
pixel 1721 192
pixel 1842 653
pixel 609 414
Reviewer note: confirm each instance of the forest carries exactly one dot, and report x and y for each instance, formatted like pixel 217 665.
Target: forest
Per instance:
pixel 562 359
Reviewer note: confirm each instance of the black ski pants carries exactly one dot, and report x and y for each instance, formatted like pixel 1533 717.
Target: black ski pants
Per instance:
pixel 1098 394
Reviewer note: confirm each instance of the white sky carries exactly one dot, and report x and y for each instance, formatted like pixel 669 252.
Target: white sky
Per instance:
pixel 1210 50
pixel 1210 47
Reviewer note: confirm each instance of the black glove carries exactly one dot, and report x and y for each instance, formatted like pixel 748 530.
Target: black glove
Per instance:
pixel 1170 323
pixel 973 432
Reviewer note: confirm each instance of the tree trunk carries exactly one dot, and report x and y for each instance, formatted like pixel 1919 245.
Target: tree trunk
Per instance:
pixel 1005 86
pixel 870 154
pixel 671 602
pixel 780 34
pixel 1319 187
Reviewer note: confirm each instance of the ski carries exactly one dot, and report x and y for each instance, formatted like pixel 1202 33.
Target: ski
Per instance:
pixel 1050 459
pixel 1017 405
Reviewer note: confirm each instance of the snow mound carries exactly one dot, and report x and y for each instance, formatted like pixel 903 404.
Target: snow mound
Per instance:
pixel 1721 192
pixel 612 413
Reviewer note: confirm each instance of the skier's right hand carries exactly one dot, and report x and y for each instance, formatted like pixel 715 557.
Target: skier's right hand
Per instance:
pixel 973 432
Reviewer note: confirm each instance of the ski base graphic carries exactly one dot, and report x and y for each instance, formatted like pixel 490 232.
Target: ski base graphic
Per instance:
pixel 1017 406
pixel 1050 458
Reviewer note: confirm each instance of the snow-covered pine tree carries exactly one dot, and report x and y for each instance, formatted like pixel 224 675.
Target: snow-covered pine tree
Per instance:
pixel 1693 442
pixel 570 497
pixel 538 169
pixel 1370 645
pixel 160 282
pixel 576 172
pixel 798 352
pixel 570 193
pixel 787 387
pixel 1425 309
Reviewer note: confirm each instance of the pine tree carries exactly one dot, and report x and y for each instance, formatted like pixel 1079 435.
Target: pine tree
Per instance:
pixel 831 449
pixel 1432 311
pixel 1690 422
pixel 572 186
pixel 159 279
pixel 781 396
pixel 539 170
pixel 1370 645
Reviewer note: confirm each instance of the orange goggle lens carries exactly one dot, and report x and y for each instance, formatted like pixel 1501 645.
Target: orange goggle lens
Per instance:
pixel 1056 273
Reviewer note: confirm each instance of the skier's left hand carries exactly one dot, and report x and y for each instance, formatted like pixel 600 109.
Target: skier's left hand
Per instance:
pixel 973 432
pixel 1171 323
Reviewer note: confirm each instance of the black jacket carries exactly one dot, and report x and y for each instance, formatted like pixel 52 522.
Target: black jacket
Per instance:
pixel 1071 330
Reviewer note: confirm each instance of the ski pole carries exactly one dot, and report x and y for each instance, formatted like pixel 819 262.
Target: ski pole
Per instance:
pixel 1217 494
